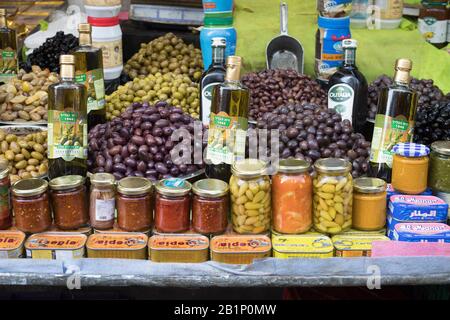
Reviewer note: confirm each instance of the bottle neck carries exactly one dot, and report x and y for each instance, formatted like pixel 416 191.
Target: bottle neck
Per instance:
pixel 233 73
pixel 402 77
pixel 67 72
pixel 349 57
pixel 85 39
pixel 3 22
pixel 218 56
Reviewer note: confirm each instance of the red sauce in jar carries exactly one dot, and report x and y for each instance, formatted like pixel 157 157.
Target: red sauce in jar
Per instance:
pixel 172 213
pixel 5 212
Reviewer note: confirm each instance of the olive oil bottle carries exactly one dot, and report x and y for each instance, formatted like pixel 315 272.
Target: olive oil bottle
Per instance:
pixel 228 123
pixel 67 123
pixel 8 50
pixel 89 72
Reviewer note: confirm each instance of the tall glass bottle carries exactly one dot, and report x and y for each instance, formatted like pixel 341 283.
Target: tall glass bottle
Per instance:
pixel 213 76
pixel 67 123
pixel 348 89
pixel 394 121
pixel 228 123
pixel 8 50
pixel 89 72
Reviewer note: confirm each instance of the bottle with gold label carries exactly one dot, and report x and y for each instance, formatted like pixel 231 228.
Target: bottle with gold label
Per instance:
pixel 228 123
pixel 394 121
pixel 89 71
pixel 8 50
pixel 67 123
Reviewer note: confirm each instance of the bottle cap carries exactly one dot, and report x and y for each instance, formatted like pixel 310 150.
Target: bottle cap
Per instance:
pixel 66 59
pixel 218 42
pixel 349 43
pixel 403 64
pixel 84 27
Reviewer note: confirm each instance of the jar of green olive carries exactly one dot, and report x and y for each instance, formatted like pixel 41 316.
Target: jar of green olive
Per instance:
pixel 5 210
pixel 439 172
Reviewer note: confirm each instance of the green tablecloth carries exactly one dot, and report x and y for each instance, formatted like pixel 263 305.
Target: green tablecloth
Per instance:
pixel 257 22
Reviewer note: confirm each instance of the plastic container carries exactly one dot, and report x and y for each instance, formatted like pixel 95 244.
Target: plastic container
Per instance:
pixel 102 11
pixel 216 6
pixel 102 3
pixel 360 16
pixel 388 13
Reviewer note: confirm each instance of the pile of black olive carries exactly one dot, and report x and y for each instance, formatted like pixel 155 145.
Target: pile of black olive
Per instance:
pixel 433 124
pixel 138 143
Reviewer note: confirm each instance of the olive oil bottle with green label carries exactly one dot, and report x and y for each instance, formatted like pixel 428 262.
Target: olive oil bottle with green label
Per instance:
pixel 8 50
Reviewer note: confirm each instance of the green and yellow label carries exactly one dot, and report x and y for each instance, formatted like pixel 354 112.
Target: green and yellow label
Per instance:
pixel 8 65
pixel 93 80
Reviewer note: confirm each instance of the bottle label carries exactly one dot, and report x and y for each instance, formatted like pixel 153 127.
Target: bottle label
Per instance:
pixel 433 30
pixel 8 65
pixel 340 98
pixel 387 133
pixel 104 209
pixel 4 201
pixel 226 138
pixel 67 135
pixel 112 53
pixel 93 80
pixel 330 53
pixel 206 102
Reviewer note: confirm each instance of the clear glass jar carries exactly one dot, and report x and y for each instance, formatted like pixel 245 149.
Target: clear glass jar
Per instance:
pixel 102 201
pixel 369 204
pixel 210 206
pixel 5 210
pixel 134 204
pixel 31 205
pixel 251 208
pixel 333 195
pixel 439 176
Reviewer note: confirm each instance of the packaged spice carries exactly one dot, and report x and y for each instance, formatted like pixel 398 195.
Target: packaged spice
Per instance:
pixel 439 177
pixel 172 205
pixel 68 195
pixel 5 211
pixel 421 232
pixel 11 244
pixel 56 245
pixel 178 248
pixel 210 206
pixel 240 249
pixel 134 204
pixel 334 8
pixel 120 245
pixel 292 197
pixel 31 205
pixel 302 246
pixel 102 204
pixel 355 245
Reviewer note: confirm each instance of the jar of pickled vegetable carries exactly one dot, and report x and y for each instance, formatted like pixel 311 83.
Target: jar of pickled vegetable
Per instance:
pixel 369 204
pixel 5 210
pixel 31 205
pixel 292 197
pixel 439 177
pixel 410 168
pixel 134 204
pixel 172 205
pixel 102 201
pixel 251 208
pixel 333 195
pixel 210 206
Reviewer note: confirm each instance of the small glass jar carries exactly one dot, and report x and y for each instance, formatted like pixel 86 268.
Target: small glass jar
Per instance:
pixel 31 205
pixel 292 197
pixel 102 201
pixel 369 204
pixel 333 195
pixel 210 206
pixel 172 205
pixel 251 203
pixel 69 202
pixel 439 176
pixel 410 168
pixel 134 204
pixel 5 209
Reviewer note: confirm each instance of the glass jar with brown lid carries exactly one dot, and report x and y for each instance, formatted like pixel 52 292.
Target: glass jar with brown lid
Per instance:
pixel 102 201
pixel 5 210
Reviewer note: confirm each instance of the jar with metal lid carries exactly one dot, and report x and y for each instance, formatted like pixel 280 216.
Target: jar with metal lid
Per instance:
pixel 31 205
pixel 69 202
pixel 134 204
pixel 172 205
pixel 210 206
pixel 439 177
pixel 410 167
pixel 102 201
pixel 369 204
pixel 292 197
pixel 251 203
pixel 333 195
pixel 5 210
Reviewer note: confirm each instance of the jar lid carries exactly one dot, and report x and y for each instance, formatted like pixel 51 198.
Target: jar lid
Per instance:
pixel 133 186
pixel 66 182
pixel 249 168
pixel 103 179
pixel 29 187
pixel 293 166
pixel 210 188
pixel 442 147
pixel 369 185
pixel 411 150
pixel 173 187
pixel 4 170
pixel 332 165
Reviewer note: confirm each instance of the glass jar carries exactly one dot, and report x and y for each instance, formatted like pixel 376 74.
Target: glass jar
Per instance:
pixel 31 205
pixel 292 197
pixel 432 22
pixel 410 168
pixel 172 205
pixel 333 195
pixel 5 211
pixel 251 208
pixel 134 204
pixel 69 202
pixel 210 206
pixel 439 177
pixel 369 204
pixel 102 201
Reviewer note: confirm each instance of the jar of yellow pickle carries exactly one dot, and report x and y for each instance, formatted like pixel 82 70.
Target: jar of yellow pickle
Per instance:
pixel 250 197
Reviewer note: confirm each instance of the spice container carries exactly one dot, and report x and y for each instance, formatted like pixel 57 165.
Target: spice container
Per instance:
pixel 102 203
pixel 439 177
pixel 119 245
pixel 134 204
pixel 68 195
pixel 210 206
pixel 240 249
pixel 302 246
pixel 178 248
pixel 56 245
pixel 292 197
pixel 31 205
pixel 5 211
pixel 355 245
pixel 333 195
pixel 11 244
pixel 250 197
pixel 172 205
pixel 410 168
pixel 369 204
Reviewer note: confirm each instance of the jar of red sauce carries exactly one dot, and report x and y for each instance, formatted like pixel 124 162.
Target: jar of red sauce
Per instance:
pixel 134 204
pixel 31 205
pixel 69 202
pixel 5 211
pixel 172 205
pixel 210 206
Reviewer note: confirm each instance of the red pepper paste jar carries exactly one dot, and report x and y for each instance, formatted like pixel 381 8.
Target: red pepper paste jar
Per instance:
pixel 5 210
pixel 172 205
pixel 210 206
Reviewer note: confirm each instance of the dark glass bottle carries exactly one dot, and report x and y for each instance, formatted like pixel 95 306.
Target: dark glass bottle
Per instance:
pixel 8 50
